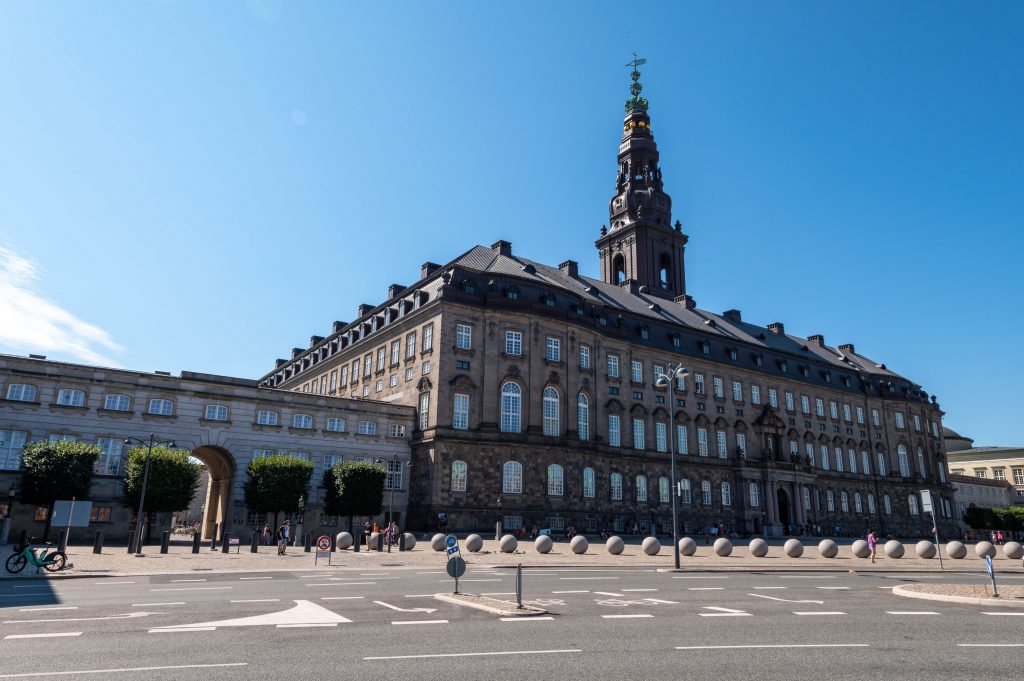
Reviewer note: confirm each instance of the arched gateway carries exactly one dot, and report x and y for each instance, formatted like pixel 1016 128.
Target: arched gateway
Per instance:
pixel 220 465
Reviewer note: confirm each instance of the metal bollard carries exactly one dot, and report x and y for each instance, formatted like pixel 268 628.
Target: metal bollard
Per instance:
pixel 62 543
pixel 255 541
pixel 131 542
pixel 97 543
pixel 213 537
pixel 401 541
pixel 519 585
pixel 197 540
pixel 226 543
pixel 165 541
pixel 334 542
pixel 497 531
pixel 309 542
pixel 380 542
pixel 356 538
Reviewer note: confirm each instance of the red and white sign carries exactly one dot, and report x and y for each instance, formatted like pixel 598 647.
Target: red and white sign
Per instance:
pixel 323 543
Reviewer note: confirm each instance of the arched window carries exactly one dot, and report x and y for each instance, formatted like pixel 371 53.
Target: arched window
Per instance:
pixel 912 503
pixel 583 417
pixel 665 270
pixel 459 476
pixel 755 495
pixel 726 494
pixel 618 269
pixel 664 495
pixel 705 492
pixel 858 502
pixel 556 482
pixel 512 478
pixel 844 502
pixel 588 483
pixel 881 464
pixel 641 487
pixel 616 485
pixel 920 463
pixel 550 412
pixel 887 504
pixel 511 407
pixel 901 453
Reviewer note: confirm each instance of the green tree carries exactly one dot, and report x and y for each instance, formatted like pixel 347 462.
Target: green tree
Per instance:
pixel 354 488
pixel 57 470
pixel 978 518
pixel 275 484
pixel 173 479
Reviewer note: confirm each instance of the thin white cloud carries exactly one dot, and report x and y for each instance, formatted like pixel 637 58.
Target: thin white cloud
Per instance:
pixel 29 322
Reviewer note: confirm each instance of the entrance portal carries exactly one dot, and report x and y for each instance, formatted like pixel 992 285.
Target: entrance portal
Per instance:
pixel 784 516
pixel 220 466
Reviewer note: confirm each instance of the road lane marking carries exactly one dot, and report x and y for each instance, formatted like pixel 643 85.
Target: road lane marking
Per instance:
pixel 785 600
pixel 62 634
pixel 526 619
pixel 303 626
pixel 420 595
pixel 635 590
pixel 608 593
pixel 303 612
pixel 1011 614
pixel 257 600
pixel 723 612
pixel 343 584
pixel 766 588
pixel 126 669
pixel 180 630
pixel 910 612
pixel 779 645
pixel 341 598
pixel 658 600
pixel 833 588
pixel 991 645
pixel 373 574
pixel 504 652
pixel 126 616
pixel 440 572
pixel 419 622
pixel 624 617
pixel 196 588
pixel 571 592
pixel 252 578
pixel 395 607
pixel 818 612
pixel 59 607
pixel 152 605
pixel 188 580
pixel 705 588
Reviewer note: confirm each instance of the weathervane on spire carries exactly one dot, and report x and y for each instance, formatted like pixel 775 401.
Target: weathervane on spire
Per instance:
pixel 636 102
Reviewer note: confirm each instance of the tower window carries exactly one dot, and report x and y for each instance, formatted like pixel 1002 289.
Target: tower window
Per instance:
pixel 618 269
pixel 664 270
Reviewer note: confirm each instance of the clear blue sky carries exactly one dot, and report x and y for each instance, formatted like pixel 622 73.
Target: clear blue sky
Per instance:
pixel 202 186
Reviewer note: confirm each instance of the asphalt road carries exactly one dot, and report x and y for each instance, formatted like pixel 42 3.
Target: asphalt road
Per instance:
pixel 363 624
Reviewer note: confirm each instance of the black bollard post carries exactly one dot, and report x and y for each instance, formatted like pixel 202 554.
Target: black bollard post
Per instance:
pixel 226 543
pixel 380 541
pixel 165 541
pixel 309 542
pixel 401 541
pixel 62 543
pixel 23 539
pixel 356 538
pixel 197 540
pixel 97 543
pixel 334 542
pixel 213 537
pixel 131 542
pixel 255 541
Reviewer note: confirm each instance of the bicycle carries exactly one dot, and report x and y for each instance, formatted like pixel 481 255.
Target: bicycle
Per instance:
pixel 54 561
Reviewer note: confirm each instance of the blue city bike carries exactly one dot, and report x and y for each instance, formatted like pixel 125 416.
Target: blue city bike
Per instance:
pixel 54 561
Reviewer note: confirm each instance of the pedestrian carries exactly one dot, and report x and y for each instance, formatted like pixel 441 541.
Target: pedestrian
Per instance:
pixel 265 536
pixel 999 537
pixel 282 538
pixel 872 544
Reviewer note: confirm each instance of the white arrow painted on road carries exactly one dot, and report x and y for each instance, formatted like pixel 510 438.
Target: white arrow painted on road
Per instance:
pixel 126 616
pixel 723 612
pixel 305 613
pixel 785 600
pixel 395 607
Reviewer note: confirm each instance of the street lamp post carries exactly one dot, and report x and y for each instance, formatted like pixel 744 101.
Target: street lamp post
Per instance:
pixel 667 380
pixel 299 521
pixel 391 496
pixel 153 442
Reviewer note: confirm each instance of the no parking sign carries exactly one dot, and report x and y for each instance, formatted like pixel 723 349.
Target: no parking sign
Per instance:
pixel 323 549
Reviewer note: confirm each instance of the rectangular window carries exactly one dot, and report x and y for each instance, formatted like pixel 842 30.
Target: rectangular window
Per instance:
pixel 334 381
pixel 698 384
pixel 584 357
pixel 809 449
pixel 719 386
pixel 636 371
pixel 839 459
pixel 395 469
pixel 833 409
pixel 875 421
pixel 381 358
pixel 935 429
pixel 682 446
pixel 367 365
pixel 638 434
pixel 789 401
pixel 755 394
pixel 513 343
pixel 117 402
pixel 260 453
pixel 614 431
pixel 702 441
pixel 396 351
pixel 616 485
pixel 824 457
pixel 409 373
pixel 161 407
pixel 109 461
pixel 846 412
pixel 661 437
pixel 410 345
pixel 71 398
pixel 463 336
pixel 741 444
pixel 998 474
pixel 11 444
pixel 1018 476
pixel 355 370
pixel 460 412
pixel 899 420
pixel 336 425
pixel 393 380
pixel 396 430
pixel 853 460
pixel 860 415
pixel 737 391
pixel 367 427
pixel 917 423
pixel 819 406
pixel 304 421
pixel 424 410
pixel 21 393
pixel 428 337
pixel 62 437
pixel 379 386
pixel 216 412
pixel 657 370
pixel 723 451
pixel 805 404
pixel 613 366
pixel 553 350
pixel 100 514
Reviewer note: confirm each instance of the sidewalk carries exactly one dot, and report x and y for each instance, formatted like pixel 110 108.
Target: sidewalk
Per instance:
pixel 115 561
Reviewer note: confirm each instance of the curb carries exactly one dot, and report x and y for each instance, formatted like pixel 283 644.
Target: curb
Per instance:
pixel 901 591
pixel 512 611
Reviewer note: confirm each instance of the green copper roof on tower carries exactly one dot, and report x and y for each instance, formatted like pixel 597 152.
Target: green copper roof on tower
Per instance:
pixel 636 102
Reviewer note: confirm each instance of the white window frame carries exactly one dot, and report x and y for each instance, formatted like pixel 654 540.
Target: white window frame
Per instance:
pixel 71 397
pixel 22 392
pixel 159 406
pixel 512 478
pixel 556 480
pixel 117 402
pixel 613 366
pixel 550 412
pixel 553 349
pixel 582 417
pixel 336 425
pixel 460 411
pixel 514 343
pixel 464 336
pixel 302 421
pixel 639 441
pixel 614 430
pixel 511 407
pixel 459 476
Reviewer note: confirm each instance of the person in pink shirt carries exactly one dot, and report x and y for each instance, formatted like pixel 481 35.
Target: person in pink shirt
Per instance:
pixel 872 544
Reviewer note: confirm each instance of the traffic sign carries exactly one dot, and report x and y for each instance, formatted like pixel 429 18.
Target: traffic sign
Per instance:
pixel 926 501
pixel 456 567
pixel 323 543
pixel 451 540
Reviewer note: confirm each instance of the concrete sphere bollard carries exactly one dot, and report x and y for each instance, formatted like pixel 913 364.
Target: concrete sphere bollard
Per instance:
pixel 723 547
pixel 543 543
pixel 860 549
pixel 371 541
pixel 579 544
pixel 828 548
pixel 956 550
pixel 925 549
pixel 758 548
pixel 343 541
pixel 651 546
pixel 793 548
pixel 1013 550
pixel 508 544
pixel 687 546
pixel 438 542
pixel 615 545
pixel 985 548
pixel 474 543
pixel 893 549
pixel 410 541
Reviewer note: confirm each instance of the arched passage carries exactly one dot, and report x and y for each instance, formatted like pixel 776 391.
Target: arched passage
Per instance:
pixel 217 503
pixel 784 515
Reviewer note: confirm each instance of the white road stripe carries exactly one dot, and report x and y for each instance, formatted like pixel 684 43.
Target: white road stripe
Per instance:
pixel 525 619
pixel 257 600
pixel 341 598
pixel 608 593
pixel 419 622
pixel 818 612
pixel 700 577
pixel 196 588
pixel 1018 614
pixel 252 578
pixel 126 669
pixel 180 630
pixel 508 652
pixel 991 645
pixel 623 617
pixel 833 588
pixel 635 590
pixel 571 592
pixel 303 626
pixel 779 645
pixel 150 605
pixel 910 612
pixel 725 614
pixel 59 607
pixel 419 595
pixel 188 580
pixel 765 588
pixel 342 584
pixel 705 588
pixel 62 634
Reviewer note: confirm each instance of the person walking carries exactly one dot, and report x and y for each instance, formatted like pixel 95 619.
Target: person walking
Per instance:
pixel 872 544
pixel 282 538
pixel 265 535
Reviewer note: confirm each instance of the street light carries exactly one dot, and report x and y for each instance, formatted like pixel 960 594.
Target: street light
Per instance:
pixel 153 442
pixel 666 381
pixel 391 497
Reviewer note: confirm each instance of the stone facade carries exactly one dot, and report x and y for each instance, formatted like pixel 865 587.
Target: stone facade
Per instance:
pixel 999 464
pixel 113 404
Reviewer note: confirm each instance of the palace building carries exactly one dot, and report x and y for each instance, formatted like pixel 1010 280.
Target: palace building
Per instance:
pixel 536 404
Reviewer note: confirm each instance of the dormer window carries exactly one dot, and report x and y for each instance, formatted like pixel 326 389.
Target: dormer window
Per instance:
pixel 548 299
pixel 512 293
pixel 676 340
pixel 805 371
pixel 468 286
pixel 783 366
pixel 645 333
pixel 731 353
pixel 705 347
pixel 758 359
pixel 827 375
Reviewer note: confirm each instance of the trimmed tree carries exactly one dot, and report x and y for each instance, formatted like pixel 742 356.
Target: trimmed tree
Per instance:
pixel 978 518
pixel 275 484
pixel 52 471
pixel 354 488
pixel 173 480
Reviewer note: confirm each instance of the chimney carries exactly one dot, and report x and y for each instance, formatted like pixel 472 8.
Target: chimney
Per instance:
pixel 296 352
pixel 338 326
pixel 394 290
pixel 428 268
pixel 687 301
pixel 777 328
pixel 162 373
pixel 364 309
pixel 847 348
pixel 315 340
pixel 37 356
pixel 818 340
pixel 733 316
pixel 502 248
pixel 279 362
pixel 570 267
